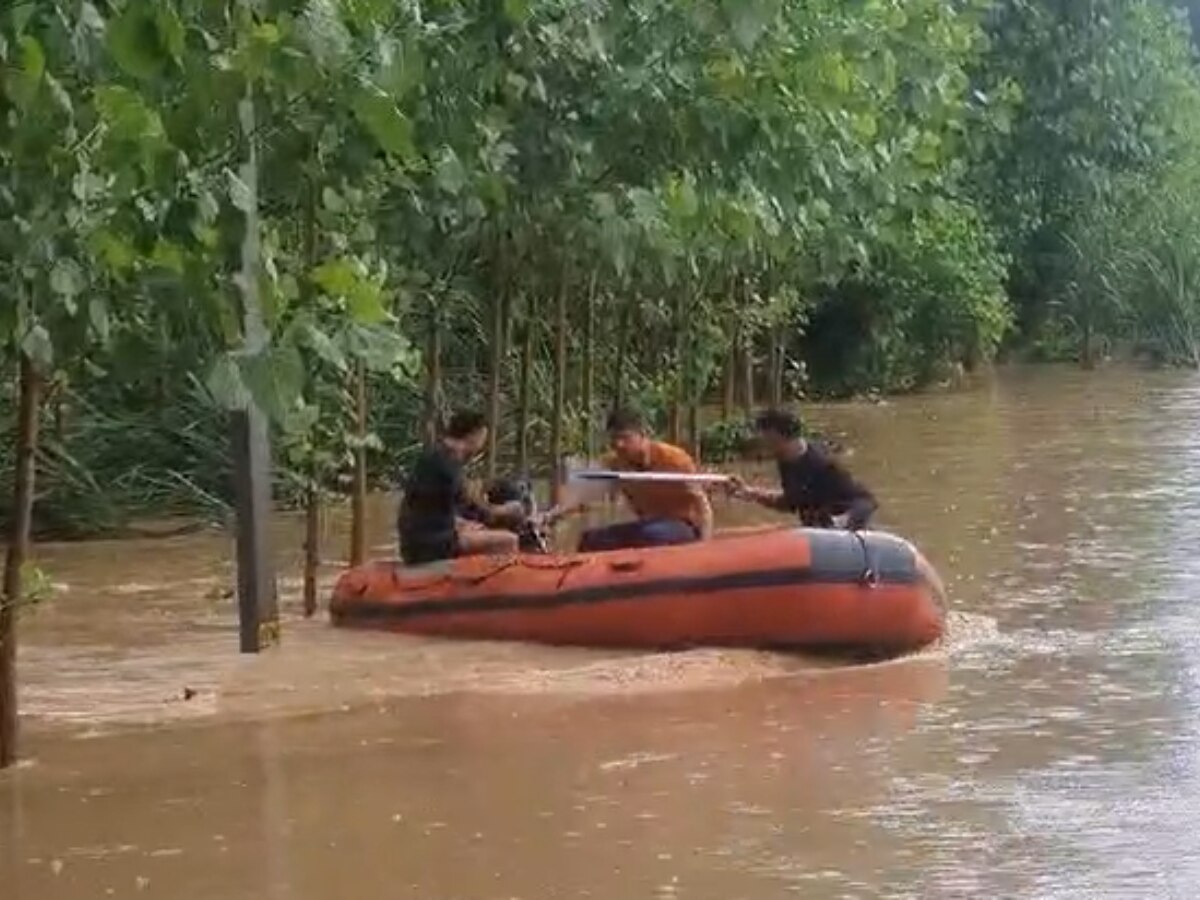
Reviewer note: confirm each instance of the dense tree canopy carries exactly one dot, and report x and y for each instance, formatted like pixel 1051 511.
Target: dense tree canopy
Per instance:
pixel 561 204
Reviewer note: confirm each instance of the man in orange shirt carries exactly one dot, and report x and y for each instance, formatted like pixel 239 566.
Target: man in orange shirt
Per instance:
pixel 667 513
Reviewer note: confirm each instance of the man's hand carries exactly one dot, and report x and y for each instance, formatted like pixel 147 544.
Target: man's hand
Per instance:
pixel 512 513
pixel 553 516
pixel 737 487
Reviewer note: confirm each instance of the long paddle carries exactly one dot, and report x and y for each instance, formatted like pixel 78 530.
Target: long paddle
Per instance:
pixel 662 477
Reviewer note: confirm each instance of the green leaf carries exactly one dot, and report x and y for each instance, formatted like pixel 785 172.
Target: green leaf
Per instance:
pixel 136 42
pixel 516 11
pixel 380 349
pixel 337 278
pixel 288 287
pixel 366 303
pixel 169 256
pixel 128 117
pixel 27 81
pixel 645 208
pixel 865 126
pixel 225 384
pixel 170 29
pixel 401 66
pixel 681 198
pixel 267 33
pixel 36 344
pixel 66 280
pixel 835 71
pixel 275 379
pixel 90 18
pixel 207 207
pixel 253 58
pixel 332 200
pixel 367 14
pixel 98 318
pixel 345 279
pixel 450 174
pixel 240 194
pixel 324 346
pixel 33 59
pixel 750 18
pixel 325 34
pixel 928 150
pixel 391 129
pixel 117 254
pixel 603 205
pixel 59 95
pixel 20 14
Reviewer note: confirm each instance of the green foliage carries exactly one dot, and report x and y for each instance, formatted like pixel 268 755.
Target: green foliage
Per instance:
pixel 1106 109
pixel 852 197
pixel 726 440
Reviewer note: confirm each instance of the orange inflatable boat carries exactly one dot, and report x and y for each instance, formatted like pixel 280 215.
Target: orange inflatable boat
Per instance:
pixel 786 588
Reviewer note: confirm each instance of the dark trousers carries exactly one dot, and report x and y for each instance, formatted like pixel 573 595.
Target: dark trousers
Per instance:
pixel 421 549
pixel 638 533
pixel 858 516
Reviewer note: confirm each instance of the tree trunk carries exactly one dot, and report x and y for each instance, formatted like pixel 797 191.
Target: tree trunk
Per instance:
pixel 729 380
pixel 560 387
pixel 165 350
pixel 694 431
pixel 1087 357
pixel 675 413
pixel 495 366
pixel 589 371
pixel 312 496
pixel 623 327
pixel 433 374
pixel 778 356
pixel 747 374
pixel 358 496
pixel 24 476
pixel 674 422
pixel 312 542
pixel 525 389
pixel 60 416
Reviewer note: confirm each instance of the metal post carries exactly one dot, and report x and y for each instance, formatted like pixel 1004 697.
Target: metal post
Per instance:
pixel 258 612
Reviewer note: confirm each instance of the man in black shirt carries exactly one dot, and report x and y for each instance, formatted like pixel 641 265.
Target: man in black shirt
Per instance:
pixel 814 485
pixel 438 520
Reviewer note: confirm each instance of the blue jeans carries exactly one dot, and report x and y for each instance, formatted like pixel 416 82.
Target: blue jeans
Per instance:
pixel 638 533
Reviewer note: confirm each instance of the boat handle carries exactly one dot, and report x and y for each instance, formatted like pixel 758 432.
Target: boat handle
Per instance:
pixel 625 565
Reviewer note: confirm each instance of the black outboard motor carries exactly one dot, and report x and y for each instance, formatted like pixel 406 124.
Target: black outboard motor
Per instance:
pixel 530 538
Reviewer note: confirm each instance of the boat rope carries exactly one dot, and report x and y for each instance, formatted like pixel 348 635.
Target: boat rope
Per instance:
pixel 563 565
pixel 505 564
pixel 870 574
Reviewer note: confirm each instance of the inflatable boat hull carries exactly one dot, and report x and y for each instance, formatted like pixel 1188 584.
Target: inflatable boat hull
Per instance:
pixel 798 588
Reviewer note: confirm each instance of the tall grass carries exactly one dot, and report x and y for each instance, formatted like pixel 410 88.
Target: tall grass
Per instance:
pixel 100 468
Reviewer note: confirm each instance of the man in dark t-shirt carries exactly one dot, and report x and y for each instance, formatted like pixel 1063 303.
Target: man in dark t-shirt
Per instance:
pixel 813 484
pixel 438 520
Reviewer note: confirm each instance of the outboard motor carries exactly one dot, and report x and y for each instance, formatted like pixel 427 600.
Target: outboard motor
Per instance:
pixel 531 539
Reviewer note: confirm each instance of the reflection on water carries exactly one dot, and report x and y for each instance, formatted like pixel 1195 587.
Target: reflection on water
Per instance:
pixel 1047 750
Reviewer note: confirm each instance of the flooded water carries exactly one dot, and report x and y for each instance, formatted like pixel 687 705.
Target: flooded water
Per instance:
pixel 1050 749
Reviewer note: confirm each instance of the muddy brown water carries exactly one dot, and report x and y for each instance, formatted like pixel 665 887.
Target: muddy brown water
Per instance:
pixel 1049 749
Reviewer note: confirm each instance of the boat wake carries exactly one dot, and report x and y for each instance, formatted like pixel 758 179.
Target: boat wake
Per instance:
pixel 317 669
pixel 717 668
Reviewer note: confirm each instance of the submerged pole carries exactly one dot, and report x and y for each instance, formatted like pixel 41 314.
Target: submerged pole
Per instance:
pixel 17 555
pixel 258 613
